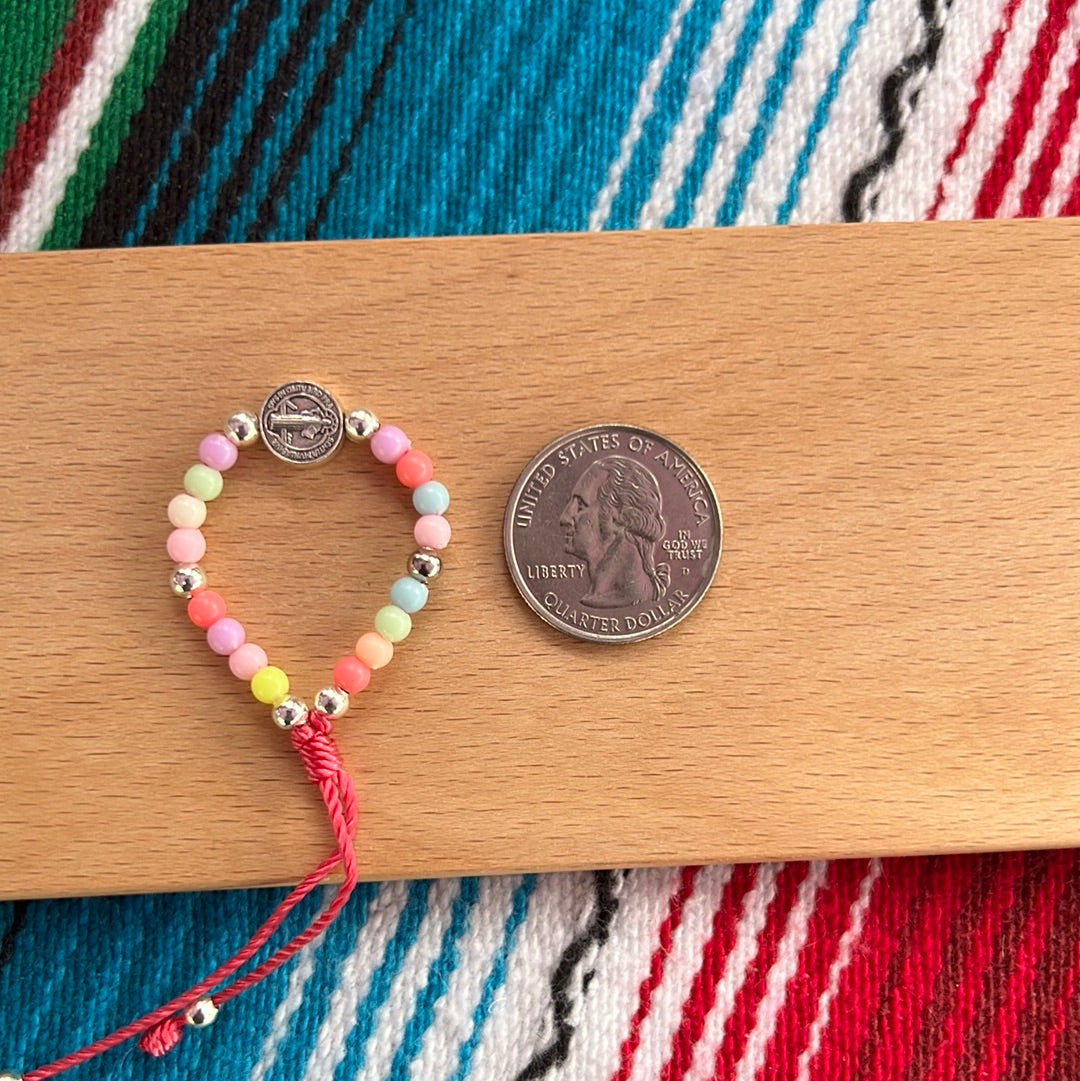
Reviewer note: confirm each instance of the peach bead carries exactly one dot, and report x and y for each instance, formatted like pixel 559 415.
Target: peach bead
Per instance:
pixel 247 660
pixel 351 675
pixel 432 531
pixel 205 608
pixel 187 512
pixel 374 650
pixel 186 545
pixel 414 468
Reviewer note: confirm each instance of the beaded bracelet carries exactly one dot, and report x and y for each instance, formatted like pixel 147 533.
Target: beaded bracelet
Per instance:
pixel 300 423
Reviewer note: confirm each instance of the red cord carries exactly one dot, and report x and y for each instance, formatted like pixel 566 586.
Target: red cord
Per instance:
pixel 162 1029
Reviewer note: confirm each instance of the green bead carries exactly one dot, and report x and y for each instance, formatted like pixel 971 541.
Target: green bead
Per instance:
pixel 393 623
pixel 202 482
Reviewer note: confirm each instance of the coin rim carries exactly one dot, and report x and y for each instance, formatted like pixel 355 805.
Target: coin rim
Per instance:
pixel 292 461
pixel 510 556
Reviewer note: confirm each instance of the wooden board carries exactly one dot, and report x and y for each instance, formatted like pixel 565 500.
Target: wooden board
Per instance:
pixel 888 660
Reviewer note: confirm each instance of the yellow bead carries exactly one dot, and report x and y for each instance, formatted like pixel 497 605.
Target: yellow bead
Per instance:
pixel 270 685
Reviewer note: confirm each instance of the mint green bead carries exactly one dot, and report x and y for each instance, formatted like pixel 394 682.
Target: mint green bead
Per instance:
pixel 431 498
pixel 393 623
pixel 203 482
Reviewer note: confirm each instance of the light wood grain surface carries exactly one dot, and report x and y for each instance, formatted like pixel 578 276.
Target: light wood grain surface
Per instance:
pixel 888 660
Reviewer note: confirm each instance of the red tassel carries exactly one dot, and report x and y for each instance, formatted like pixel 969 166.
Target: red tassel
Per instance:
pixel 163 1037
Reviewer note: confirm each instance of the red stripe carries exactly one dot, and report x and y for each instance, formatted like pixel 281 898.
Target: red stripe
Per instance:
pixel 1023 110
pixel 827 924
pixel 989 66
pixel 1072 205
pixel 744 1013
pixel 1042 172
pixel 897 894
pixel 1061 1015
pixel 656 971
pixel 64 74
pixel 703 990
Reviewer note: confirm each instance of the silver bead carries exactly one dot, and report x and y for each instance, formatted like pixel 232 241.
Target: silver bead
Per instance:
pixel 6 1075
pixel 331 701
pixel 242 428
pixel 188 578
pixel 290 713
pixel 202 1015
pixel 360 424
pixel 424 565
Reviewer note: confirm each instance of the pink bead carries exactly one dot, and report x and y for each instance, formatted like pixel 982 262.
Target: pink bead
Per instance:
pixel 217 452
pixel 246 660
pixel 432 531
pixel 389 443
pixel 186 545
pixel 225 636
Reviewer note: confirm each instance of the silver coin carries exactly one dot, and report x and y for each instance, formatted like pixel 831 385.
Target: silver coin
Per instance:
pixel 612 533
pixel 301 423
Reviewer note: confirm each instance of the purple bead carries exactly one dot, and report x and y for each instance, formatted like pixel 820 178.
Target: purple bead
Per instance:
pixel 225 636
pixel 389 443
pixel 217 452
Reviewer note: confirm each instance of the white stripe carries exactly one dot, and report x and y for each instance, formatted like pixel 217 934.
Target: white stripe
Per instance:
pixel 907 192
pixel 682 965
pixel 621 968
pixel 1067 169
pixel 400 1005
pixel 1057 79
pixel 74 124
pixel 643 108
pixel 734 130
pixel 354 980
pixel 846 946
pixel 452 1023
pixel 962 186
pixel 747 936
pixel 301 972
pixel 698 104
pixel 519 1020
pixel 780 975
pixel 822 43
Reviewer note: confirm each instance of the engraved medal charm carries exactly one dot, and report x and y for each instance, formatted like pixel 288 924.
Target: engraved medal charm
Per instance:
pixel 612 533
pixel 301 423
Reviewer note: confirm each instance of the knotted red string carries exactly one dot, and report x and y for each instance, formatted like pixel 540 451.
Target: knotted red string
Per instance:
pixel 162 1029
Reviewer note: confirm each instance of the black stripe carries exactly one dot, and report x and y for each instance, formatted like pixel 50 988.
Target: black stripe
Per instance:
pixel 262 125
pixel 209 121
pixel 151 128
pixel 371 95
pixel 18 922
pixel 313 109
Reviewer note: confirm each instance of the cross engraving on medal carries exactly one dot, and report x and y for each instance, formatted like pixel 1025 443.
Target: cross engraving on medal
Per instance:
pixel 307 424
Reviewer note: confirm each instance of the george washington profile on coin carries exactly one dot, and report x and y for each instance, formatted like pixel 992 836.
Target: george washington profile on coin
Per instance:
pixel 613 521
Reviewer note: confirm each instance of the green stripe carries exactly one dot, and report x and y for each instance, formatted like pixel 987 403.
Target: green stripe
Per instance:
pixel 30 31
pixel 110 131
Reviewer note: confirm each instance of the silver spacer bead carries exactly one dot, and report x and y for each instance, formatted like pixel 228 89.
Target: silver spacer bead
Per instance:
pixel 331 701
pixel 242 428
pixel 7 1075
pixel 360 424
pixel 424 565
pixel 188 579
pixel 202 1015
pixel 290 713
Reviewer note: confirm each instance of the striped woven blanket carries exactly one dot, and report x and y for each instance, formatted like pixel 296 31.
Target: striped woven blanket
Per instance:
pixel 133 122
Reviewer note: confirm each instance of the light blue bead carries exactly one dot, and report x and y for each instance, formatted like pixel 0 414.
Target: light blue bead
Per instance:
pixel 409 594
pixel 431 498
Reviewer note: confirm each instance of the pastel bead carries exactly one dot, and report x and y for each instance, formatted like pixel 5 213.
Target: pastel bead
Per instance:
pixel 206 608
pixel 374 650
pixel 186 545
pixel 186 512
pixel 432 531
pixel 270 685
pixel 409 595
pixel 203 482
pixel 225 636
pixel 393 623
pixel 431 498
pixel 218 452
pixel 388 444
pixel 245 661
pixel 414 468
pixel 351 675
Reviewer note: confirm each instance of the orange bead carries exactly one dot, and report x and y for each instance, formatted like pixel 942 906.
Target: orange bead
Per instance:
pixel 414 468
pixel 205 608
